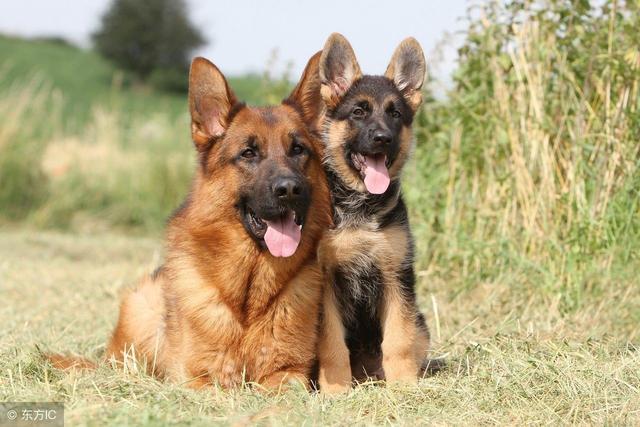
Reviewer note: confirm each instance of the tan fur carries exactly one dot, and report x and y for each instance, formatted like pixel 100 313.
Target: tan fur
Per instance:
pixel 404 346
pixel 334 138
pixel 406 146
pixel 334 373
pixel 67 362
pixel 222 309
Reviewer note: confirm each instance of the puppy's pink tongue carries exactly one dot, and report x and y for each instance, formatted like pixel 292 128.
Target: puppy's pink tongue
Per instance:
pixel 376 175
pixel 282 236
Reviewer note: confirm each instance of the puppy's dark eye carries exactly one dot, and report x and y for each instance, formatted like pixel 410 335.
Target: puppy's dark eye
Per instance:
pixel 395 114
pixel 358 113
pixel 248 153
pixel 297 149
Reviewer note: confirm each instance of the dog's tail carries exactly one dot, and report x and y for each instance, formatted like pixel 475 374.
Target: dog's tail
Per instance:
pixel 433 366
pixel 68 362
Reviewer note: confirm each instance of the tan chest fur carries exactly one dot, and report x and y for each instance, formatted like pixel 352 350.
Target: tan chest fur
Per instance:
pixel 209 335
pixel 366 244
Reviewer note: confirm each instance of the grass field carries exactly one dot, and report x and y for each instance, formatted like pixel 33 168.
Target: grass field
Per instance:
pixel 513 358
pixel 82 79
pixel 524 198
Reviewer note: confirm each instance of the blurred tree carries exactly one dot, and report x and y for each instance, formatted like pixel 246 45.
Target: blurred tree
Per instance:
pixel 152 38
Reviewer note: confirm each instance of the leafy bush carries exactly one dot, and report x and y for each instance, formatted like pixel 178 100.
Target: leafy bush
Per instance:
pixel 150 36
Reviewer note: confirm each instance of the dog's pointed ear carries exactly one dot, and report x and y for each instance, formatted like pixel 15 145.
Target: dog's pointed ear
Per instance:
pixel 408 70
pixel 338 69
pixel 305 97
pixel 210 101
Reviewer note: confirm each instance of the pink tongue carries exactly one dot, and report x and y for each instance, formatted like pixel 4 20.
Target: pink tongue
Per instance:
pixel 282 236
pixel 376 175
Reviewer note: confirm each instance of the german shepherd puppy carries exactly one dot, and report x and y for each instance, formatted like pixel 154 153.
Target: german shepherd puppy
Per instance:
pixel 239 294
pixel 372 326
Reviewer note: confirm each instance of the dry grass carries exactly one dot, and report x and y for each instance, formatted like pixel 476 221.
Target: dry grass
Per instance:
pixel 513 357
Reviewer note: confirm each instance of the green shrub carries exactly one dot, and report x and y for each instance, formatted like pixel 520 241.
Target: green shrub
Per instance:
pixel 144 36
pixel 23 185
pixel 531 164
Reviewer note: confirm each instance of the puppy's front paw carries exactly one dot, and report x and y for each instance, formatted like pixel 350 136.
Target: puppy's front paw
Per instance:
pixel 334 380
pixel 334 389
pixel 401 370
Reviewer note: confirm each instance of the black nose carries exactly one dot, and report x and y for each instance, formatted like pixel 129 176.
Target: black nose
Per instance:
pixel 382 137
pixel 287 188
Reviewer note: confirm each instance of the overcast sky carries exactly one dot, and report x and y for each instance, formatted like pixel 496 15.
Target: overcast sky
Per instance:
pixel 243 34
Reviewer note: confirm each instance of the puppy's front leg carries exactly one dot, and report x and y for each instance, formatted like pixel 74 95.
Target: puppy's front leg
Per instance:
pixel 333 355
pixel 399 359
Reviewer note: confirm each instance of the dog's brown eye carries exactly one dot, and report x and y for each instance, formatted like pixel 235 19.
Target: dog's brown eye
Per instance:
pixel 395 114
pixel 248 153
pixel 297 149
pixel 358 112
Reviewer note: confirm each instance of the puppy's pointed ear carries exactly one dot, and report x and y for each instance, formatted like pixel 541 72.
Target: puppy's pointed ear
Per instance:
pixel 338 69
pixel 210 101
pixel 305 97
pixel 408 70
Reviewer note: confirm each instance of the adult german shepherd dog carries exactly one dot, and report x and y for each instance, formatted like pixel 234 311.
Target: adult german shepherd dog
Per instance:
pixel 238 297
pixel 372 326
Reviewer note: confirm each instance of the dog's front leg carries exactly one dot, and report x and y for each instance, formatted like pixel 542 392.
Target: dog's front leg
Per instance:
pixel 282 380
